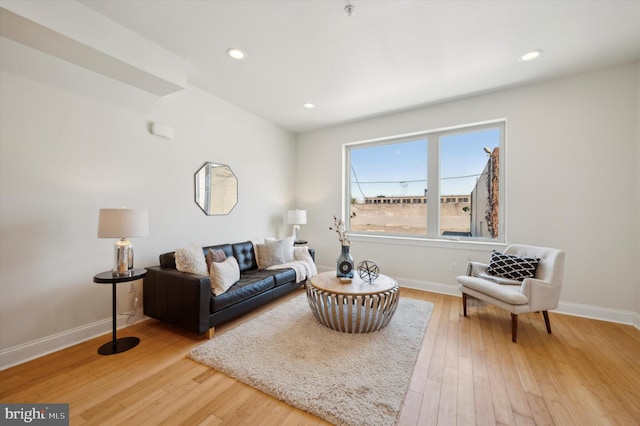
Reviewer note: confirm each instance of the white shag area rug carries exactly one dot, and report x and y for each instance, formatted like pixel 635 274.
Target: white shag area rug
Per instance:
pixel 346 379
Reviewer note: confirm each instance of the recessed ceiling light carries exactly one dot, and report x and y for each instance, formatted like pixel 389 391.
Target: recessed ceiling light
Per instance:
pixel 530 56
pixel 309 105
pixel 236 53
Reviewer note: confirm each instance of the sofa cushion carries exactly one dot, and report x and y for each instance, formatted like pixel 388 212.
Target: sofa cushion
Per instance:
pixel 223 275
pixel 511 266
pixel 499 280
pixel 191 259
pixel 250 284
pixel 168 260
pixel 243 252
pixel 507 293
pixel 284 276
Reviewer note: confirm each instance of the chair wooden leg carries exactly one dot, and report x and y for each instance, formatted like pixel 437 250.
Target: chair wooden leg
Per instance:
pixel 464 304
pixel 514 328
pixel 546 321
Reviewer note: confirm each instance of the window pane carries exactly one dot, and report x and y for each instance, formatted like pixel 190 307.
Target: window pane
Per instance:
pixel 469 184
pixel 388 188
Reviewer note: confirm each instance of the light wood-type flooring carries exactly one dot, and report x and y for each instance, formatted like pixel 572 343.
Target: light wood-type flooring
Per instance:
pixel 468 372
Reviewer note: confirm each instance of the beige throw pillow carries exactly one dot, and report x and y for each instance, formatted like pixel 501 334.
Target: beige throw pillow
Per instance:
pixel 191 259
pixel 275 253
pixel 223 275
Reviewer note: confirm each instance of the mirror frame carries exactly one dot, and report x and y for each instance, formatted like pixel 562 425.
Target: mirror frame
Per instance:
pixel 228 200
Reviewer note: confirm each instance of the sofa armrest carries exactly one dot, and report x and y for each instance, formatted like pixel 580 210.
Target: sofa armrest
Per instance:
pixel 178 298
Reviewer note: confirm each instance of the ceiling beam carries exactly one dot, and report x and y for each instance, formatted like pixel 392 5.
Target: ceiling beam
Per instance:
pixel 77 34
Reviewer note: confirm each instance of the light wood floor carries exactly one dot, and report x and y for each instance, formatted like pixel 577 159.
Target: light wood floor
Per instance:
pixel 468 372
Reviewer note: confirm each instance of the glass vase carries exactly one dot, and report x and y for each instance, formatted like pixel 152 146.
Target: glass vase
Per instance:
pixel 344 265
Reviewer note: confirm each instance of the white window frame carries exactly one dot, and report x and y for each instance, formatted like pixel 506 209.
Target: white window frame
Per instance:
pixel 433 175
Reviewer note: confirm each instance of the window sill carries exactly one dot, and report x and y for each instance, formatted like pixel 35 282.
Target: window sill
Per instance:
pixel 449 244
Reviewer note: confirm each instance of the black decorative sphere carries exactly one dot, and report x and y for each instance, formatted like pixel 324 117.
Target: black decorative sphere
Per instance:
pixel 368 270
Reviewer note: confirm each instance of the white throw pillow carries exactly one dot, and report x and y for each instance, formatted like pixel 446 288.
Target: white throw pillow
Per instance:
pixel 287 247
pixel 191 259
pixel 223 275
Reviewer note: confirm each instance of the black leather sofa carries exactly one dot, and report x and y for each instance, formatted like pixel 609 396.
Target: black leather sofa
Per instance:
pixel 185 300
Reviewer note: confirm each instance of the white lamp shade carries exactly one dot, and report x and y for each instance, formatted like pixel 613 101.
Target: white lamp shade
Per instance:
pixel 297 217
pixel 123 223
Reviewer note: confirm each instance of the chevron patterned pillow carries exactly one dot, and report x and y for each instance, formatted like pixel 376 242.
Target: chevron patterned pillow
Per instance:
pixel 510 266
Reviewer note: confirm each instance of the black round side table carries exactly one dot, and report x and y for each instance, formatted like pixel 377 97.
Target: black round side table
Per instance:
pixel 115 346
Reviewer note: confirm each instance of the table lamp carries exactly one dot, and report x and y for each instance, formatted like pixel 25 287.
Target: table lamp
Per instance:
pixel 297 218
pixel 123 223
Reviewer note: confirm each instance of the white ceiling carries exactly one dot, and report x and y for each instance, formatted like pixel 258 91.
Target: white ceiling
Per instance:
pixel 388 56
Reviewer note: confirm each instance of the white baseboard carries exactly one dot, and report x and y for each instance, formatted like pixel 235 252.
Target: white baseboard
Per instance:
pixel 596 312
pixel 46 345
pixel 433 287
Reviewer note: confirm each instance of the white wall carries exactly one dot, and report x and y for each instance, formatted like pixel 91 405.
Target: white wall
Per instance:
pixel 73 141
pixel 637 208
pixel 571 148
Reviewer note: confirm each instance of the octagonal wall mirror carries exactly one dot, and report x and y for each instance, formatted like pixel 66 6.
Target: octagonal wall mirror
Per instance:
pixel 216 189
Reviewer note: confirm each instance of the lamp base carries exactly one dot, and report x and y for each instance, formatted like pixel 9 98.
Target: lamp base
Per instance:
pixel 119 345
pixel 117 274
pixel 122 258
pixel 296 233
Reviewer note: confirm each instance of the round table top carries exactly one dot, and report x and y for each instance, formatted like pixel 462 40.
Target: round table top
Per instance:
pixel 328 281
pixel 107 277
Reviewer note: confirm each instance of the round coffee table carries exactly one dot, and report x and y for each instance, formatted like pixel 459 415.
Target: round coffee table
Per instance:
pixel 358 307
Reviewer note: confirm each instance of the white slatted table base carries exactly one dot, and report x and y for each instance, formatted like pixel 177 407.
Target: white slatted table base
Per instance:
pixel 353 313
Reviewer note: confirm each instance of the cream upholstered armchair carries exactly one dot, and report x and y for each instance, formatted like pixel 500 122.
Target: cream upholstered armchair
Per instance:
pixel 522 279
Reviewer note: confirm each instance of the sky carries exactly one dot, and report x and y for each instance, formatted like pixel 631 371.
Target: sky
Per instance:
pixel 401 168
